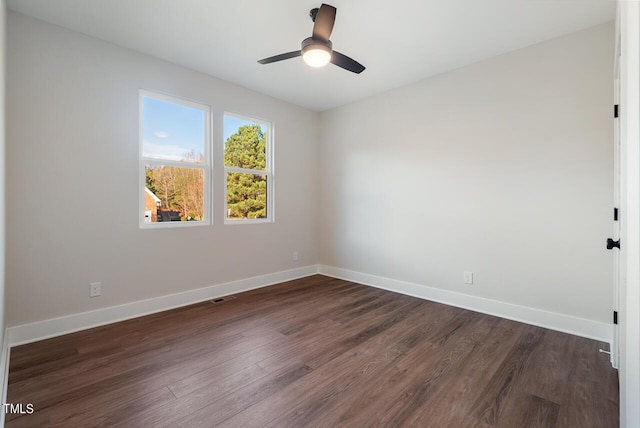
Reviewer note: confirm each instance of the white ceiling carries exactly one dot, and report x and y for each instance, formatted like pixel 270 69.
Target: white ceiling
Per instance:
pixel 400 41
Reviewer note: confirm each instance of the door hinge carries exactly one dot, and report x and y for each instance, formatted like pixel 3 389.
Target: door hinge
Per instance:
pixel 611 244
pixel 615 214
pixel 615 317
pixel 616 110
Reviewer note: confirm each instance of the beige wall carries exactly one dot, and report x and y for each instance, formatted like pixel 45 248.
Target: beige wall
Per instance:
pixel 503 168
pixel 72 180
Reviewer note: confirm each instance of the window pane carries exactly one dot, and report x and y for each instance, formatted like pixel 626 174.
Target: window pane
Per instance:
pixel 172 131
pixel 245 144
pixel 246 196
pixel 173 194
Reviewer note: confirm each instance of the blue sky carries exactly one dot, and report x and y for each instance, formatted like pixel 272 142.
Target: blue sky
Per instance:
pixel 171 130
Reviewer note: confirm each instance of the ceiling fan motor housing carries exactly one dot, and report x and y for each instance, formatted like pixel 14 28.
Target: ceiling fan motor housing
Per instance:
pixel 311 43
pixel 313 13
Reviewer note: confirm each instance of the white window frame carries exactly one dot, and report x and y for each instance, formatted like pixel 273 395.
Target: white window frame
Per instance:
pixel 206 167
pixel 270 218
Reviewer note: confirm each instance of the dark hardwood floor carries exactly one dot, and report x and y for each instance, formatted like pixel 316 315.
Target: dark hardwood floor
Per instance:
pixel 315 352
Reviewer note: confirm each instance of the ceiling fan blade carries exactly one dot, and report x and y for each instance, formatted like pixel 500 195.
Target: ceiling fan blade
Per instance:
pixel 324 22
pixel 280 57
pixel 347 63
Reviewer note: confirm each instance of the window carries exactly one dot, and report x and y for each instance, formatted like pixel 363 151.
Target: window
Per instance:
pixel 175 165
pixel 248 170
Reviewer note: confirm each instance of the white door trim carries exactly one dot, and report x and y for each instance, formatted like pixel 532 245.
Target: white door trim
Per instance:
pixel 629 317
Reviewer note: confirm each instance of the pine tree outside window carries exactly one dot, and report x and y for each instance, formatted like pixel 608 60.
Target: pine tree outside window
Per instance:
pixel 248 170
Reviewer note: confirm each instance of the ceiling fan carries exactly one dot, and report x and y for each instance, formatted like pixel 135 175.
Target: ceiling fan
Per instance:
pixel 317 50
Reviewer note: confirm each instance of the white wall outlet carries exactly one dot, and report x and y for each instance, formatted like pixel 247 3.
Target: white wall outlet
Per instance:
pixel 95 289
pixel 468 277
pixel 295 256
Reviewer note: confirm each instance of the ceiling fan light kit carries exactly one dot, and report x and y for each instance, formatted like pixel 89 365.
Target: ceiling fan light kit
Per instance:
pixel 317 50
pixel 316 53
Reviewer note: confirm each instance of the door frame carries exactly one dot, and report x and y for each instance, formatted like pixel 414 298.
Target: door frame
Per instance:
pixel 628 23
pixel 617 220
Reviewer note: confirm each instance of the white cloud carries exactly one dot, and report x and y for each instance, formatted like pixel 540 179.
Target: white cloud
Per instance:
pixel 162 151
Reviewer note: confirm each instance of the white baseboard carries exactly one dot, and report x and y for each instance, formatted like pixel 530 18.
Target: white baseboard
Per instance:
pixel 596 330
pixel 40 330
pixel 32 332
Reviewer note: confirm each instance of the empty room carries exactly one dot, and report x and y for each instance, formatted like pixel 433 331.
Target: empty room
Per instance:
pixel 297 214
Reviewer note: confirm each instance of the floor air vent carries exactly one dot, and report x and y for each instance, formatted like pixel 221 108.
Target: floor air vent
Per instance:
pixel 222 299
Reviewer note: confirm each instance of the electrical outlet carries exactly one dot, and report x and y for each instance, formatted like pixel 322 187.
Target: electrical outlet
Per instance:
pixel 94 289
pixel 295 256
pixel 468 277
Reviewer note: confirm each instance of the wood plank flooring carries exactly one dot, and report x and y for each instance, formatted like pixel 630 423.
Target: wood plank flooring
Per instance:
pixel 315 352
